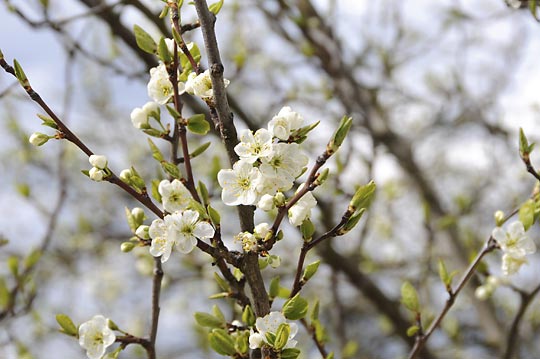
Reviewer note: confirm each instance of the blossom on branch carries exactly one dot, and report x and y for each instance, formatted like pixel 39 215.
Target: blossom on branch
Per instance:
pixel 302 209
pixel 515 245
pixel 180 229
pixel 284 123
pixel 160 88
pixel 95 336
pixel 201 84
pixel 269 324
pixel 240 184
pixel 254 146
pixel 174 195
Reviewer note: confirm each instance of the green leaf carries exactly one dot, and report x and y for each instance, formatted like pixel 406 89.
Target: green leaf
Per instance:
pixel 4 293
pixel 198 124
pixel 214 215
pixel 339 135
pixel 443 273
pixel 363 196
pixel 203 191
pixel 199 150
pixel 315 311
pixel 274 287
pixel 32 258
pixel 525 148
pixel 412 330
pixel 66 324
pixel 218 313
pixel 241 343
pixel 47 121
pixel 221 342
pixel 295 308
pixel 282 336
pixel 290 353
pixel 216 7
pixel 163 51
pixel 222 283
pixel 409 297
pixel 171 169
pixel 132 223
pixel 248 316
pixel 352 222
pixel 310 270
pixel 144 40
pixel 13 265
pixel 172 111
pixel 19 73
pixel 155 191
pixel 156 153
pixel 526 214
pixel 307 228
pixel 208 320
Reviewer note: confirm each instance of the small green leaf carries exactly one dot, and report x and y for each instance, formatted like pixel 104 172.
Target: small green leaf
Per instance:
pixel 199 150
pixel 214 215
pixel 66 324
pixel 13 265
pixel 248 316
pixel 198 124
pixel 352 222
pixel 307 228
pixel 409 297
pixel 208 320
pixel 155 190
pixel 526 214
pixel 218 313
pixel 172 111
pixel 315 311
pixel 216 7
pixel 222 283
pixel 295 308
pixel 19 73
pixel 171 169
pixel 144 40
pixel 156 153
pixel 310 270
pixel 412 330
pixel 163 51
pixel 274 287
pixel 282 336
pixel 127 247
pixel 241 343
pixel 290 353
pixel 443 273
pixel 4 293
pixel 132 223
pixel 363 196
pixel 221 342
pixel 32 258
pixel 339 135
pixel 203 191
pixel 47 121
pixel 23 189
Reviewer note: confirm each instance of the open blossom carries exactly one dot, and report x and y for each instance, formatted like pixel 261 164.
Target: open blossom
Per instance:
pixel 281 169
pixel 270 324
pixel 514 242
pixel 254 146
pixel 95 336
pixel 160 88
pixel 239 184
pixel 180 229
pixel 248 240
pixel 285 122
pixel 174 195
pixel 201 85
pixel 515 245
pixel 302 209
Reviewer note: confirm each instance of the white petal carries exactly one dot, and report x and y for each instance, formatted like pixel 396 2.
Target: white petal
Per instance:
pixel 204 230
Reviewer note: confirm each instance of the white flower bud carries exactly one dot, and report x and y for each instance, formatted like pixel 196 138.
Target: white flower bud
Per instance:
pixel 139 118
pixel 98 161
pixel 261 230
pixel 38 139
pixel 96 174
pixel 266 203
pixel 151 108
pixel 142 232
pixel 138 214
pixel 482 292
pixel 125 175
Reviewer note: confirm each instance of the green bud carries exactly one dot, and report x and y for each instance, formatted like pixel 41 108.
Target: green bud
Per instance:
pixel 21 76
pixel 307 228
pixel 282 336
pixel 412 330
pixel 524 148
pixel 362 197
pixel 310 270
pixel 290 353
pixel 409 297
pixel 352 222
pixel 339 135
pixel 13 265
pixel 279 235
pixel 198 124
pixel 322 177
pixel 315 311
pixel 248 316
pixel 38 139
pixel 241 343
pixel 144 40
pixel 499 218
pixel 32 258
pixel 127 247
pixel 47 121
pixel 295 308
pixel 526 214
pixel 216 7
pixel 112 325
pixel 221 342
pixel 67 325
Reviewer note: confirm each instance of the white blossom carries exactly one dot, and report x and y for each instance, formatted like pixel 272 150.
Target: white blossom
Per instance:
pixel 302 209
pixel 98 161
pixel 239 184
pixel 270 324
pixel 201 85
pixel 281 169
pixel 514 242
pixel 261 230
pixel 140 116
pixel 160 88
pixel 174 195
pixel 96 174
pixel 254 146
pixel 95 336
pixel 285 122
pixel 180 229
pixel 511 265
pixel 248 240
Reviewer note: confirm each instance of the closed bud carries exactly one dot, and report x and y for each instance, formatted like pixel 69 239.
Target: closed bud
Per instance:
pixel 38 139
pixel 282 336
pixel 499 218
pixel 321 178
pixel 138 215
pixel 98 161
pixel 96 174
pixel 339 135
pixel 127 247
pixel 142 232
pixel 279 199
pixel 125 175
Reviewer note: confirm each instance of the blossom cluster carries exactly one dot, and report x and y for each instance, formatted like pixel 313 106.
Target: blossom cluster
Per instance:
pixel 515 244
pixel 99 164
pixel 180 228
pixel 269 164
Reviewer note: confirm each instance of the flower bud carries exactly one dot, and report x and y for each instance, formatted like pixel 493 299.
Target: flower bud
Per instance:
pixel 38 139
pixel 499 218
pixel 142 232
pixel 261 230
pixel 138 214
pixel 96 174
pixel 98 161
pixel 266 203
pixel 127 247
pixel 125 175
pixel 482 292
pixel 279 199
